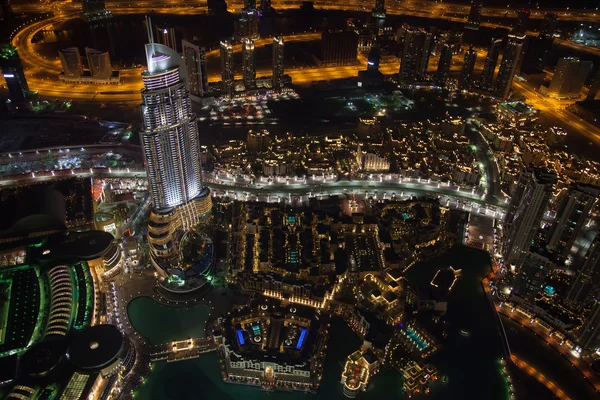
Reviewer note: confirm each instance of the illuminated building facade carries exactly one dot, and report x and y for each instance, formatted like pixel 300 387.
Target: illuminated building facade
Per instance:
pixel 569 78
pixel 278 63
pixel 465 81
pixel 339 48
pixel 170 141
pixel 520 29
pixel 195 62
pixel 246 26
pixel 12 71
pixel 415 55
pixel 589 335
pixel 99 63
pixel 585 287
pixel 474 18
pixel 248 64
pixel 548 28
pixel 489 66
pixel 527 206
pixel 508 67
pixel 70 60
pixel 227 71
pixel 360 367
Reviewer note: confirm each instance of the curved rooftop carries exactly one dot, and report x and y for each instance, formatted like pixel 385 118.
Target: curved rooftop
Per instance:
pixel 76 245
pixel 42 358
pixel 96 347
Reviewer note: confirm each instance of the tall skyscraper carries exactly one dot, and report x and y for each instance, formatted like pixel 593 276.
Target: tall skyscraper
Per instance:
pixel 474 18
pixel 594 86
pixel 586 285
pixel 13 74
pixel 246 26
pixel 548 27
pixel 70 58
pixel 277 63
pixel 249 64
pixel 170 143
pixel 93 6
pixel 489 66
pixel 532 273
pixel 227 71
pixel 444 64
pixel 525 212
pixel 99 63
pixel 589 334
pixel 373 60
pixel 379 10
pixel 195 62
pixel 415 55
pixel 520 29
pixel 571 218
pixel 536 53
pixel 166 36
pixel 508 67
pixel 569 77
pixel 339 48
pixel 465 81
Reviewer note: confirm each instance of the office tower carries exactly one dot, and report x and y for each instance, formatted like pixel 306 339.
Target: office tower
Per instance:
pixel 415 55
pixel 569 77
pixel 572 215
pixel 536 53
pixel 474 18
pixel 265 5
pixel 246 26
pixel 465 81
pixel 444 64
pixel 379 10
pixel 531 275
pixel 586 285
pixel 6 10
pixel 93 6
pixel 508 67
pixel 373 60
pixel 170 143
pixel 249 4
pixel 525 212
pixel 594 86
pixel 195 63
pixel 339 48
pixel 166 36
pixel 99 63
pixel 588 336
pixel 548 28
pixel 248 64
pixel 12 71
pixel 277 82
pixel 71 62
pixel 227 72
pixel 520 29
pixel 489 66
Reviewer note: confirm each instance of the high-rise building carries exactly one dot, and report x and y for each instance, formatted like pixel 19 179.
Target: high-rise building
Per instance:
pixel 586 285
pixel 548 28
pixel 594 86
pixel 166 36
pixel 227 71
pixel 588 336
pixel 444 64
pixel 532 273
pixel 13 74
pixel 465 81
pixel 508 67
pixel 519 31
pixel 489 66
pixel 250 4
pixel 246 26
pixel 277 82
pixel 379 10
pixel 248 64
pixel 265 5
pixel 373 60
pixel 525 212
pixel 415 55
pixel 571 218
pixel 195 62
pixel 71 62
pixel 93 6
pixel 536 53
pixel 339 48
pixel 170 143
pixel 99 63
pixel 474 18
pixel 569 77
